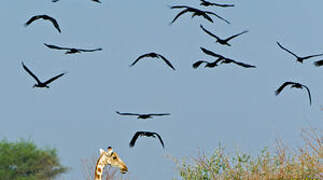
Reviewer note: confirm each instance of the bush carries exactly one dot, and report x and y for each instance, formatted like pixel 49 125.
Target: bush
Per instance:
pixel 22 160
pixel 302 163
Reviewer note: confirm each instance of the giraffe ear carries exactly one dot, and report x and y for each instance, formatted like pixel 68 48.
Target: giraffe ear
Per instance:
pixel 101 151
pixel 110 150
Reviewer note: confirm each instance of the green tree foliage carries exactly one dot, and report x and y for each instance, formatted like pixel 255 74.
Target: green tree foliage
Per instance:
pixel 23 160
pixel 304 162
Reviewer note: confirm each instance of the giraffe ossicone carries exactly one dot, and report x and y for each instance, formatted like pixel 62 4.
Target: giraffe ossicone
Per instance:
pixel 108 158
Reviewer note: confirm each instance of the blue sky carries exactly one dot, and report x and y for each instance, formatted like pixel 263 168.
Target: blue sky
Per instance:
pixel 226 104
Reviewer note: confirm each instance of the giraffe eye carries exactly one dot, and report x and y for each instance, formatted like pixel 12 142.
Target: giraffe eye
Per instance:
pixel 114 157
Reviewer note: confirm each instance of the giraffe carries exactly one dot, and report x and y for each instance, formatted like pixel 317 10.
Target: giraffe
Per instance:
pixel 108 158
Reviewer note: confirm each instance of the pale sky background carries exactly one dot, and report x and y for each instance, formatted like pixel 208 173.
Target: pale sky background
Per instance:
pixel 227 104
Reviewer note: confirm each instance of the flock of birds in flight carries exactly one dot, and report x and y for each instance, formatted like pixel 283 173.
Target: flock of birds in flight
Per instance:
pixel 219 59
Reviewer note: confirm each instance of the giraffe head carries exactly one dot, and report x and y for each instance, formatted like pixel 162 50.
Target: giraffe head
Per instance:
pixel 109 158
pixel 115 161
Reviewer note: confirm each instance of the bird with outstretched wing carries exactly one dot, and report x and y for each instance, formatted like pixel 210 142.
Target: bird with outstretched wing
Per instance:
pixel 207 3
pixel 298 58
pixel 45 17
pixel 147 134
pixel 223 60
pixel 154 55
pixel 39 83
pixel 71 50
pixel 196 12
pixel 222 41
pixel 294 85
pixel 143 116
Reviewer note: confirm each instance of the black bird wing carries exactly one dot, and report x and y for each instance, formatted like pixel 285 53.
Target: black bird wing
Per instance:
pixel 207 17
pixel 282 47
pixel 208 12
pixel 56 47
pixel 160 139
pixel 166 61
pixel 140 57
pixel 209 33
pixel 135 137
pixel 307 57
pixel 97 1
pixel 236 35
pixel 222 5
pixel 90 50
pixel 208 52
pixel 309 93
pixel 30 73
pixel 32 19
pixel 216 4
pixel 54 78
pixel 179 14
pixel 179 7
pixel 54 22
pixel 128 114
pixel 243 64
pixel 318 63
pixel 160 114
pixel 283 86
pixel 198 63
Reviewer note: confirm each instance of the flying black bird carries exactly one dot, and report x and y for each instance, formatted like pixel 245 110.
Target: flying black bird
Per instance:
pixel 71 50
pixel 223 60
pixel 55 0
pixel 318 63
pixel 142 116
pixel 196 12
pixel 153 55
pixel 222 41
pixel 298 58
pixel 207 3
pixel 145 133
pixel 45 17
pixel 41 84
pixel 294 85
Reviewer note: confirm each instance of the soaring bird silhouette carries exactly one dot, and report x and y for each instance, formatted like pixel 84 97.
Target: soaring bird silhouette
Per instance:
pixel 222 41
pixel 196 12
pixel 207 3
pixel 318 63
pixel 39 83
pixel 224 60
pixel 145 133
pixel 71 50
pixel 143 116
pixel 154 55
pixel 298 58
pixel 45 17
pixel 294 85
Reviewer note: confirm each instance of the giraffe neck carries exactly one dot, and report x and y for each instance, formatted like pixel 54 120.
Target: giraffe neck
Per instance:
pixel 101 163
pixel 98 172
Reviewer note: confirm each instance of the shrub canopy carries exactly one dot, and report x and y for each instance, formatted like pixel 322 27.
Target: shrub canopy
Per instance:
pixel 23 160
